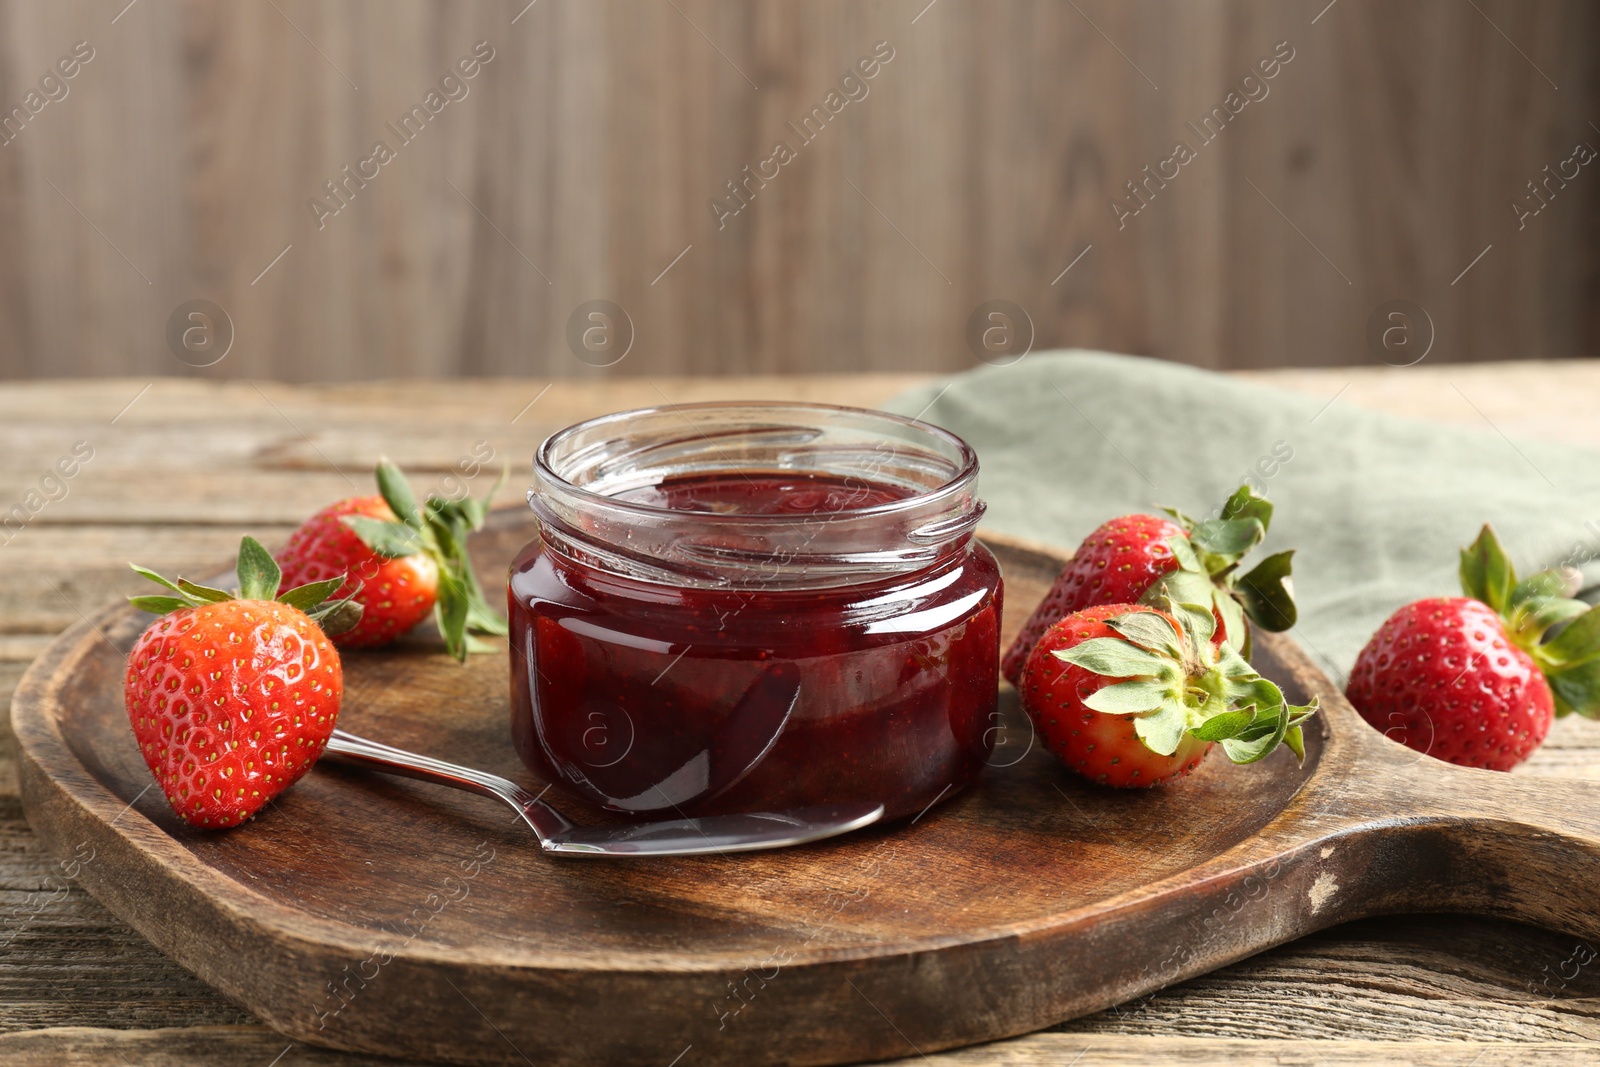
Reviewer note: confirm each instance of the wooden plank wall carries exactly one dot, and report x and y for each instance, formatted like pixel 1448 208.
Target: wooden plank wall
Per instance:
pixel 1383 160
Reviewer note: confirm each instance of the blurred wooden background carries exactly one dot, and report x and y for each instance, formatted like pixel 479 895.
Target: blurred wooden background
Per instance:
pixel 1384 160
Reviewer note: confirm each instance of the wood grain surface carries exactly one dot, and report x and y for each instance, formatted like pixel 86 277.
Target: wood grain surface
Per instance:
pixel 81 987
pixel 1384 159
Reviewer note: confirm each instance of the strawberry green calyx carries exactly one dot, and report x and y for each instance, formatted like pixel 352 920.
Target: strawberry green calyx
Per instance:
pixel 1531 609
pixel 259 578
pixel 1178 683
pixel 438 528
pixel 1208 569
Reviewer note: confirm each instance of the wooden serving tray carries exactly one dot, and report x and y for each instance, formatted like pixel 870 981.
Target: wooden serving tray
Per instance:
pixel 381 915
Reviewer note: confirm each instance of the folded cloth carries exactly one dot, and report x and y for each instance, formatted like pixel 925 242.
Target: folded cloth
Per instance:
pixel 1376 505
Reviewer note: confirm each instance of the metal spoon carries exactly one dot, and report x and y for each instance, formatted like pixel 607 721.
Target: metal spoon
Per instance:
pixel 679 837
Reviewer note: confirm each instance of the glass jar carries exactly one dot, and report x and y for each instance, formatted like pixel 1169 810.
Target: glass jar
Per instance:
pixel 752 607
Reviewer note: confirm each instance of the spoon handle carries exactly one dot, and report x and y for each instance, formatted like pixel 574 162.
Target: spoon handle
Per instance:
pixel 544 820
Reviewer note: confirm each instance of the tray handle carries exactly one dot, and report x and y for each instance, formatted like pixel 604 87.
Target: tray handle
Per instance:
pixel 1516 846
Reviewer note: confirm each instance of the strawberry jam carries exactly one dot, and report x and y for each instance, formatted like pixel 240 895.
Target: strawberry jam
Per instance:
pixel 742 637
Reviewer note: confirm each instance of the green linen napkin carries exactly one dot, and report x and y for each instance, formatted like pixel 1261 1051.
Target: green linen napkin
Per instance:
pixel 1376 505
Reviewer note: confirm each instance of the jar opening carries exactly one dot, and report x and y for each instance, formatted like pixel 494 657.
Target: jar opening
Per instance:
pixel 832 495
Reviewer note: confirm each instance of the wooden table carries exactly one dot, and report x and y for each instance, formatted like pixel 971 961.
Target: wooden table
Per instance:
pixel 181 468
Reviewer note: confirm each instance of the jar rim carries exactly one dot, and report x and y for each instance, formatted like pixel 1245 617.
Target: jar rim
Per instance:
pixel 963 479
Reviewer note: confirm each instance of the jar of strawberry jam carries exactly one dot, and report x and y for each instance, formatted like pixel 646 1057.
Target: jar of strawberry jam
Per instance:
pixel 754 607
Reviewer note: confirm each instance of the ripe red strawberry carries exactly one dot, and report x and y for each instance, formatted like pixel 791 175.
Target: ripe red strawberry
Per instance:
pixel 1471 680
pixel 1138 559
pixel 233 699
pixel 395 592
pixel 404 561
pixel 1131 696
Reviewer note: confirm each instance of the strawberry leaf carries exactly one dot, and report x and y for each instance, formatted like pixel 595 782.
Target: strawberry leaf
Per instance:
pixel 1198 626
pixel 1295 742
pixel 1269 707
pixel 1267 593
pixel 449 530
pixel 258 571
pixel 1182 586
pixel 473 512
pixel 1228 537
pixel 1269 730
pixel 309 596
pixel 1486 571
pixel 159 605
pixel 1578 642
pixel 1540 615
pixel 337 616
pixel 1162 730
pixel 1225 725
pixel 450 612
pixel 1128 698
pixel 1112 658
pixel 1245 504
pixel 388 539
pixel 1577 690
pixel 1233 624
pixel 468 513
pixel 1555 583
pixel 154 577
pixel 1235 668
pixel 1149 630
pixel 396 492
pixel 482 618
pixel 1183 552
pixel 189 594
pixel 1241 751
pixel 200 592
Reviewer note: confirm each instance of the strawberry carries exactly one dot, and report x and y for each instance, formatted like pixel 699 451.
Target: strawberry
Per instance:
pixel 1472 680
pixel 1141 559
pixel 395 592
pixel 232 698
pixel 1129 695
pixel 404 561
